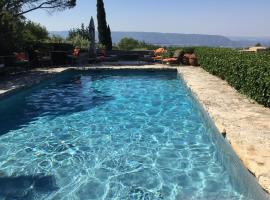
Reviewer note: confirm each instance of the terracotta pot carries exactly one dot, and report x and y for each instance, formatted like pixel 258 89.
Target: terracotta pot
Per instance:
pixel 193 60
pixel 185 59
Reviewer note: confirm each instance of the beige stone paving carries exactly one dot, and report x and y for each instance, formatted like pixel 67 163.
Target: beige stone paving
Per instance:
pixel 247 124
pixel 156 66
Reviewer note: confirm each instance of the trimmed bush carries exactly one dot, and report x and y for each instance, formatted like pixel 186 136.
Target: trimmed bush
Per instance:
pixel 59 57
pixel 47 47
pixel 61 46
pixel 247 72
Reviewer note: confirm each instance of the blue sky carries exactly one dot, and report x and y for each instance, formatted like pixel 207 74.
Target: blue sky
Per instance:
pixel 225 17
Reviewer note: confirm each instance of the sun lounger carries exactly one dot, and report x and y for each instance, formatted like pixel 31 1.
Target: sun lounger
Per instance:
pixel 21 60
pixel 158 54
pixel 72 59
pixel 176 59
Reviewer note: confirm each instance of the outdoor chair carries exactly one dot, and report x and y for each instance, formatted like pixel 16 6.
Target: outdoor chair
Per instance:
pixel 158 54
pixel 103 56
pixel 148 57
pixel 39 58
pixel 72 59
pixel 44 59
pixel 58 58
pixel 21 60
pixel 175 59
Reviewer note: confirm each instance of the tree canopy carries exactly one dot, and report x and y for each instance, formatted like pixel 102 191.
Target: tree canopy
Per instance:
pixel 15 31
pixel 10 36
pixel 21 7
pixel 34 32
pixel 83 31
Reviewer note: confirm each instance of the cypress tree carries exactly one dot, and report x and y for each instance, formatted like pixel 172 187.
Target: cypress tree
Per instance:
pixel 102 23
pixel 109 39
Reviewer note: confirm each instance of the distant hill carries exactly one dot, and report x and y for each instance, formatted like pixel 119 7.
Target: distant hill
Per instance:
pixel 169 39
pixel 250 41
pixel 178 39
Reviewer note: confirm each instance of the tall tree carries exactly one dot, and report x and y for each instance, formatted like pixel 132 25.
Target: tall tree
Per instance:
pixel 102 25
pixel 109 38
pixel 92 38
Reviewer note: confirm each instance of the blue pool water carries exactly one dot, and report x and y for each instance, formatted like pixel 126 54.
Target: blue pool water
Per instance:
pixel 110 135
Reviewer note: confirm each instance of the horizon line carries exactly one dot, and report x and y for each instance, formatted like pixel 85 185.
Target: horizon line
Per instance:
pixel 242 36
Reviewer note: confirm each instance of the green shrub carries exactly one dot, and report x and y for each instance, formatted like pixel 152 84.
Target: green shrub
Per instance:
pixel 79 42
pixel 61 46
pixel 10 33
pixel 188 49
pixel 46 48
pixel 128 44
pixel 56 39
pixel 133 44
pixel 247 72
pixel 34 32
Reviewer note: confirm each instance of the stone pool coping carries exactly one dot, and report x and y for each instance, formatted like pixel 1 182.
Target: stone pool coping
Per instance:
pixel 14 82
pixel 245 122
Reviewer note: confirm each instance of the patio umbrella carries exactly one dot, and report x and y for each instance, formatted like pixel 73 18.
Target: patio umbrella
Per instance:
pixel 92 45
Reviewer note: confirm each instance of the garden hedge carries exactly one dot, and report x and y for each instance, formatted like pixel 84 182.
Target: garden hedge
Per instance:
pixel 247 72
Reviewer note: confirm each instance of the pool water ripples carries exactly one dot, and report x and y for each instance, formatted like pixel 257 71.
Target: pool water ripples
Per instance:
pixel 113 136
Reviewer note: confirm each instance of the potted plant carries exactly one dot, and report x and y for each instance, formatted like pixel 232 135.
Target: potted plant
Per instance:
pixel 193 60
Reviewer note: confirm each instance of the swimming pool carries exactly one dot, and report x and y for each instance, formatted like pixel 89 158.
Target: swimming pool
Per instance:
pixel 120 134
